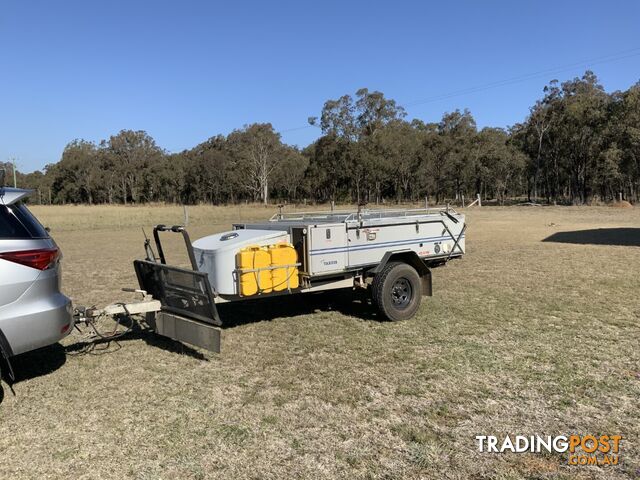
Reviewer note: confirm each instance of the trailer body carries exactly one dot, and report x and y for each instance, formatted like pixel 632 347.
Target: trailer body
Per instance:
pixel 332 243
pixel 390 253
pixel 337 249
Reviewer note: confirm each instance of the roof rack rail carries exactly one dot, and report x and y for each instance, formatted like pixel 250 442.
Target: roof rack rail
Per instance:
pixel 340 216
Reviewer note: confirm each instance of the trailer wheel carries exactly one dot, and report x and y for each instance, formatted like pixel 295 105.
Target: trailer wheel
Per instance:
pixel 396 291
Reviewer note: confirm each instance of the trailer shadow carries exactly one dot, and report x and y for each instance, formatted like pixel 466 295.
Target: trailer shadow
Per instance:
pixel 49 359
pixel 267 309
pixel 627 237
pixel 103 346
pixel 237 314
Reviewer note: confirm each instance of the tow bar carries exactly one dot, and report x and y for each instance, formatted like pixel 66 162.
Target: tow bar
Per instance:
pixel 175 302
pixel 147 313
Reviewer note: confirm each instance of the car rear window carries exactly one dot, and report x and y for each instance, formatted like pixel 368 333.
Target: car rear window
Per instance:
pixel 16 221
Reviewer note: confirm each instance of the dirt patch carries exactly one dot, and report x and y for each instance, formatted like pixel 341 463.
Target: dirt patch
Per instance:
pixel 622 204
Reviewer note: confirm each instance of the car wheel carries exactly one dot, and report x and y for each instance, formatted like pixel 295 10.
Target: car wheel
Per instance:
pixel 396 291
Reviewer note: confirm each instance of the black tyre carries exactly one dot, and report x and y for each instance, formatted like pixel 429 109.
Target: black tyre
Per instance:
pixel 396 291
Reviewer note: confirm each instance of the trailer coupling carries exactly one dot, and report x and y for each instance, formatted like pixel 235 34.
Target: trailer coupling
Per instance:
pixel 149 314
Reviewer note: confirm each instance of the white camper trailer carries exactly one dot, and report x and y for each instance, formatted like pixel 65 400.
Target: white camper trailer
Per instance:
pixel 388 253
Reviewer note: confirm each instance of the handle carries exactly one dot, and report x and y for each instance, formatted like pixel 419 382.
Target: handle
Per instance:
pixel 187 242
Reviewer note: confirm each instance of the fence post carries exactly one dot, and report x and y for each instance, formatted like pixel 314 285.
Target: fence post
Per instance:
pixel 479 201
pixel 186 215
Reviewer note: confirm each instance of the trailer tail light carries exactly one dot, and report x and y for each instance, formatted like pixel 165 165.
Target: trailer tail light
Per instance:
pixel 41 259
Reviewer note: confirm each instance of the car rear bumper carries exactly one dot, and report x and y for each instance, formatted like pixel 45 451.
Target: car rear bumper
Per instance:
pixel 37 319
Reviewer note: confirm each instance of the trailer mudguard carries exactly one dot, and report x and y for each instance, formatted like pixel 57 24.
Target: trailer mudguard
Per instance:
pixel 411 258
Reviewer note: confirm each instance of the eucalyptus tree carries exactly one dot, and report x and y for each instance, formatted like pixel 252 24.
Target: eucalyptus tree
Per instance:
pixel 259 150
pixel 289 173
pixel 583 121
pixel 398 144
pixel 131 153
pixel 349 123
pixel 76 175
pixel 624 131
pixel 498 164
pixel 457 130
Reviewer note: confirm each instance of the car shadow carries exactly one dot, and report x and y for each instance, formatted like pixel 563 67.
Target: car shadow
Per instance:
pixel 621 236
pixel 47 360
pixel 350 303
pixel 36 363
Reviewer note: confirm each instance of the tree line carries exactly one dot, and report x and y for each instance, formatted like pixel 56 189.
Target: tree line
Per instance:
pixel 578 144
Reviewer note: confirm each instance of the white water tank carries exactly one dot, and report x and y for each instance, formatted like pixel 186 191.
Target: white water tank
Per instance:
pixel 216 254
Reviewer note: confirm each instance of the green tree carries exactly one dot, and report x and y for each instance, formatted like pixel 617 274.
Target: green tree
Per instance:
pixel 458 130
pixel 259 150
pixel 498 165
pixel 131 153
pixel 75 176
pixel 289 172
pixel 398 144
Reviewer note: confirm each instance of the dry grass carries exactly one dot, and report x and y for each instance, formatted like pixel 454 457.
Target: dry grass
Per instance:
pixel 521 337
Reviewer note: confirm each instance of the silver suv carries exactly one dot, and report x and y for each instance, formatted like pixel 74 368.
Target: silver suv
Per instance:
pixel 33 312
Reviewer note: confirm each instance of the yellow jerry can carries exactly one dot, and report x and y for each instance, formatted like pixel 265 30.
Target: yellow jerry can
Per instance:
pixel 251 258
pixel 287 277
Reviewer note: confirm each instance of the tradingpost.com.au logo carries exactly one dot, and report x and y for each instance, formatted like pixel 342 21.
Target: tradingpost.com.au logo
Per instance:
pixel 582 449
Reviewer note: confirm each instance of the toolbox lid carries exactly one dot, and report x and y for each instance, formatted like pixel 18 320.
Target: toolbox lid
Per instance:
pixel 235 239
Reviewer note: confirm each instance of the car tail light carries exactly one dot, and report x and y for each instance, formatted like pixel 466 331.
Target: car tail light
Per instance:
pixel 41 259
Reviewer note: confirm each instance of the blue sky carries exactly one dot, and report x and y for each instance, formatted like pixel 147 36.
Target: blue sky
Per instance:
pixel 187 70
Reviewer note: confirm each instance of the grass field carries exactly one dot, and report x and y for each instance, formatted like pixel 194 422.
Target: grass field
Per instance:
pixel 522 336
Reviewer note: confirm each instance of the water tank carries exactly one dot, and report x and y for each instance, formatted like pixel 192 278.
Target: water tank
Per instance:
pixel 216 255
